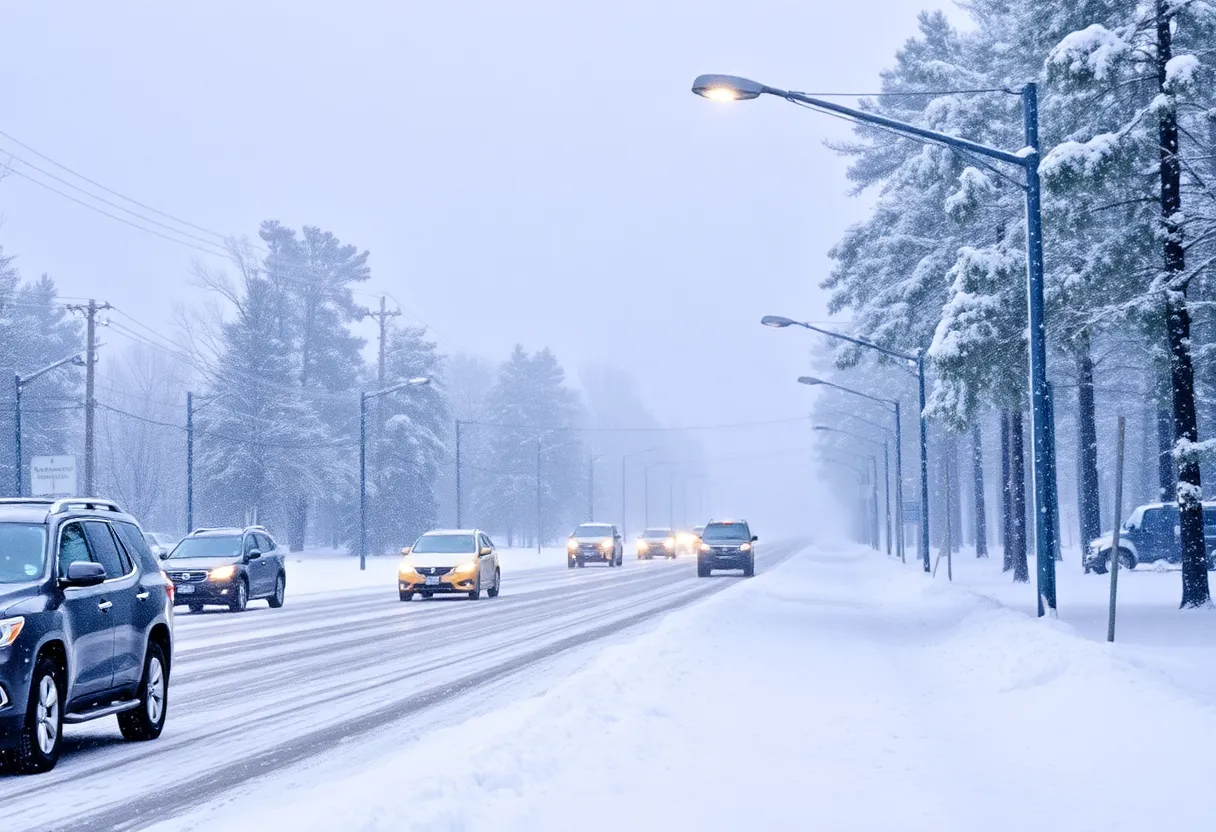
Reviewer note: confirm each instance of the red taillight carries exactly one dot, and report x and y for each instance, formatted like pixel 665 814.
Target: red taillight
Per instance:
pixel 169 585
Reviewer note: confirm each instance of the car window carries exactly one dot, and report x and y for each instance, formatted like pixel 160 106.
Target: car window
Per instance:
pixel 22 552
pixel 656 534
pixel 105 551
pixel 725 531
pixel 127 559
pixel 136 546
pixel 209 546
pixel 485 542
pixel 262 543
pixel 268 543
pixel 251 543
pixel 447 544
pixel 72 548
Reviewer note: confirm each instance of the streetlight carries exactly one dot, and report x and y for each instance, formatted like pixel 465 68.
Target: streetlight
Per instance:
pixel 363 397
pixel 780 322
pixel 625 490
pixel 886 471
pixel 19 382
pixel 539 450
pixel 734 88
pixel 899 462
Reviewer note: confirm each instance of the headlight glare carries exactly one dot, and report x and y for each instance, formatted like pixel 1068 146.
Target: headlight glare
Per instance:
pixel 746 547
pixel 222 573
pixel 465 568
pixel 606 543
pixel 642 546
pixel 705 547
pixel 572 545
pixel 10 628
pixel 669 543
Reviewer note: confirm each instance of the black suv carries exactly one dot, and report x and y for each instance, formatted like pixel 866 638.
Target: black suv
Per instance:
pixel 727 544
pixel 86 626
pixel 1150 534
pixel 227 566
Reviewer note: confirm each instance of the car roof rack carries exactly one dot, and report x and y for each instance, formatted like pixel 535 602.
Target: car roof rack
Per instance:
pixel 86 503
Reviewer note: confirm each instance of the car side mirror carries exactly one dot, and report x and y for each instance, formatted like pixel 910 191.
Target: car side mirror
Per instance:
pixel 405 550
pixel 254 555
pixel 486 550
pixel 85 573
pixel 616 535
pixel 164 554
pixel 754 538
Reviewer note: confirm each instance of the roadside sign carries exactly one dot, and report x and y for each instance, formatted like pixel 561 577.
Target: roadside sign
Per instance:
pixel 53 476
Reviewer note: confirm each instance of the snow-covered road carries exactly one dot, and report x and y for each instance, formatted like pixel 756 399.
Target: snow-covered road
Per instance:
pixel 257 693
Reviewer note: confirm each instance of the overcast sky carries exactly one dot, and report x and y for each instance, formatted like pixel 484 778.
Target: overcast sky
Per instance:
pixel 532 171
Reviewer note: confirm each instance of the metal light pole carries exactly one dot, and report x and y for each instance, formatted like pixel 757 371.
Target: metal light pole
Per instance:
pixel 19 382
pixel 734 88
pixel 458 494
pixel 625 490
pixel 886 462
pixel 363 398
pixel 189 462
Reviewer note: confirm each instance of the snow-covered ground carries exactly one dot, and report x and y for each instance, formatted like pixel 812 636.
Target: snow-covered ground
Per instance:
pixel 839 690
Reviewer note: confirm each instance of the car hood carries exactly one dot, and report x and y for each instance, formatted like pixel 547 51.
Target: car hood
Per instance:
pixel 439 559
pixel 593 539
pixel 194 564
pixel 13 596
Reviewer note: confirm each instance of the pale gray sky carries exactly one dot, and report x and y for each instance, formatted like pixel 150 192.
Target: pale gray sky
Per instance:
pixel 532 171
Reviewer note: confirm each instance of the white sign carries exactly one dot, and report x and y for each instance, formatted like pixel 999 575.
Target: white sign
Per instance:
pixel 53 476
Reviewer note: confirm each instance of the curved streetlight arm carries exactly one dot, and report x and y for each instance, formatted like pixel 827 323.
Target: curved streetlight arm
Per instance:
pixel 818 382
pixel 842 432
pixel 780 323
pixel 74 359
pixel 414 382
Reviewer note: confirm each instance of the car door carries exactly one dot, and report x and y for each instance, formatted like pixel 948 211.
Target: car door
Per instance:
pixel 488 562
pixel 254 573
pixel 89 624
pixel 121 588
pixel 272 561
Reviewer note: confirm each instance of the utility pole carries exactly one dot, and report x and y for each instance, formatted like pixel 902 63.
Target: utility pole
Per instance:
pixel 382 317
pixel 458 494
pixel 189 462
pixel 90 311
pixel 539 523
pixel 591 488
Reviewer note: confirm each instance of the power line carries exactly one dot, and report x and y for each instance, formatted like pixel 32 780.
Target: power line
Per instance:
pixel 575 429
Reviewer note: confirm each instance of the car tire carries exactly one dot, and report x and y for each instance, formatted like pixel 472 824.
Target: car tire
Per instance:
pixel 749 571
pixel 241 599
pixel 405 596
pixel 196 608
pixel 148 720
pixel 475 593
pixel 280 592
pixel 493 591
pixel 703 569
pixel 611 561
pixel 569 563
pixel 41 737
pixel 582 563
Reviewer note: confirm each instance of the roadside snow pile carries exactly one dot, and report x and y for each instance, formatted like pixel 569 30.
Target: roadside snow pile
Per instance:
pixel 838 691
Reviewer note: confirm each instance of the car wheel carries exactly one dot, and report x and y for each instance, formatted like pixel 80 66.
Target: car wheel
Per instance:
pixel 42 735
pixel 1126 559
pixel 569 563
pixel 703 569
pixel 148 720
pixel 611 561
pixel 475 593
pixel 241 599
pixel 750 570
pixel 493 591
pixel 581 563
pixel 196 608
pixel 280 592
pixel 405 596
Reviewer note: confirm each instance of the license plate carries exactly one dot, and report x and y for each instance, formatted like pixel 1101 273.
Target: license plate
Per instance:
pixel 432 580
pixel 185 589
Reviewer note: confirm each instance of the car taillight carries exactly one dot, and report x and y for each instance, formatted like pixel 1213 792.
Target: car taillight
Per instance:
pixel 169 585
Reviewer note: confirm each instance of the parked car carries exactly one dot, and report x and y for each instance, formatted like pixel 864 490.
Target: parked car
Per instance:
pixel 86 626
pixel 160 543
pixel 594 542
pixel 228 567
pixel 727 544
pixel 461 561
pixel 1150 534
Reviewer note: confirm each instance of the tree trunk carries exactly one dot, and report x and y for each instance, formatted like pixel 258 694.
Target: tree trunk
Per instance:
pixel 299 524
pixel 1088 504
pixel 977 477
pixel 1195 591
pixel 1006 492
pixel 1017 501
pixel 1167 482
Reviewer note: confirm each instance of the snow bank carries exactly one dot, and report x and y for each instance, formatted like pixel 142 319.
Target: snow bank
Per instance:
pixel 839 691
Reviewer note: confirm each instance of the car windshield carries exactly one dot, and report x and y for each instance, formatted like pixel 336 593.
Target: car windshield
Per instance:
pixel 22 552
pixel 725 531
pixel 444 544
pixel 655 534
pixel 593 530
pixel 211 546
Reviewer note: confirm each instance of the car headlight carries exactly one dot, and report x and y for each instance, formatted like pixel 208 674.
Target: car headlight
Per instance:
pixel 606 543
pixel 407 571
pixel 222 573
pixel 705 547
pixel 643 546
pixel 572 545
pixel 10 628
pixel 669 543
pixel 746 547
pixel 465 568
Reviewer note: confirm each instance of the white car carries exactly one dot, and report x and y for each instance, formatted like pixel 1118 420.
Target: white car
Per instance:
pixel 450 561
pixel 160 543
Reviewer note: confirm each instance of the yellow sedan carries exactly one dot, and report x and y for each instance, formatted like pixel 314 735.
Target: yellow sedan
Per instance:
pixel 450 562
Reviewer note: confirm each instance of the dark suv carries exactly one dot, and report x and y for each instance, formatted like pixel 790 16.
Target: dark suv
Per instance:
pixel 86 626
pixel 227 566
pixel 727 544
pixel 1150 534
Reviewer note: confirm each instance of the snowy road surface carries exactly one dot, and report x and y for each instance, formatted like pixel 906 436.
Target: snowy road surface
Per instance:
pixel 254 694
